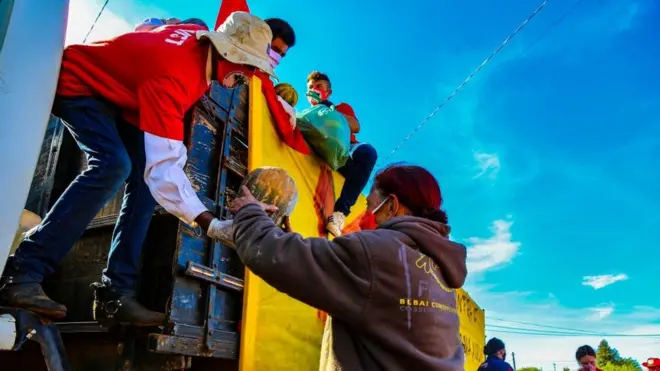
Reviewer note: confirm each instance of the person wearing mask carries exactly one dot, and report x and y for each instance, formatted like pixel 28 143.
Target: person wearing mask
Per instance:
pixel 284 37
pixel 362 156
pixel 124 101
pixel 652 364
pixel 586 358
pixel 388 289
pixel 495 352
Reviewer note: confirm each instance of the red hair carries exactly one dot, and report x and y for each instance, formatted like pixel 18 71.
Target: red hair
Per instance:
pixel 415 187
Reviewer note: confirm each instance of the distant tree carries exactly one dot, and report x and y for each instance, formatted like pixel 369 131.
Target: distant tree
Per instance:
pixel 622 365
pixel 566 369
pixel 606 354
pixel 609 359
pixel 529 369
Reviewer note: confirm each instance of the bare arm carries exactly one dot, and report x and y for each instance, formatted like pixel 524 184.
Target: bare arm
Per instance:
pixel 353 123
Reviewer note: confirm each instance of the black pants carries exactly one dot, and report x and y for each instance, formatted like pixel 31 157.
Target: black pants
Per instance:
pixel 357 171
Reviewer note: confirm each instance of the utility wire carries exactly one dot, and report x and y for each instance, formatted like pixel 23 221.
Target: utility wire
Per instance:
pixel 544 326
pixel 552 26
pixel 439 107
pixel 528 331
pixel 96 20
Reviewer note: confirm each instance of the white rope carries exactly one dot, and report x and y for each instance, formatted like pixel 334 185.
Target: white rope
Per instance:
pixel 96 20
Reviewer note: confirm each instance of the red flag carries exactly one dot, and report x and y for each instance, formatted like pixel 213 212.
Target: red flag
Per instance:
pixel 292 137
pixel 229 6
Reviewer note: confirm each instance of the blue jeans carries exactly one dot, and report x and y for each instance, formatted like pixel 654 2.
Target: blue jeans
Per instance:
pixel 357 171
pixel 115 156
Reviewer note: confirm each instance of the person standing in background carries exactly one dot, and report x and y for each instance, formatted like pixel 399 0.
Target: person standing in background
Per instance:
pixel 652 364
pixel 586 358
pixel 495 352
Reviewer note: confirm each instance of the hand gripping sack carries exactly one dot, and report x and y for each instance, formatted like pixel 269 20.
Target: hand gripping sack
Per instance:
pixel 327 132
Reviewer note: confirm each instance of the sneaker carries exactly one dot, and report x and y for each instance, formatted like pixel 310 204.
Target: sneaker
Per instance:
pixel 335 223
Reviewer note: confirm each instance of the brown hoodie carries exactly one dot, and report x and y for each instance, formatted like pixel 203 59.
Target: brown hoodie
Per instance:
pixel 389 292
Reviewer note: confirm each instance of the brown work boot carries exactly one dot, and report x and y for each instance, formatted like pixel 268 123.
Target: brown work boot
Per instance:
pixel 31 296
pixel 112 309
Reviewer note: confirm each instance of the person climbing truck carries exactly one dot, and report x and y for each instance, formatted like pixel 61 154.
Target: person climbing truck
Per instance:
pixel 284 38
pixel 123 100
pixel 362 156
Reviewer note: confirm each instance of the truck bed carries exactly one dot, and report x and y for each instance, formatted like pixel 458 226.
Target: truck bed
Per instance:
pixel 183 272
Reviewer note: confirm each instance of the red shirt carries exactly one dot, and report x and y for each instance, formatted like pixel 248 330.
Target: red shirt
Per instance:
pixel 347 110
pixel 152 77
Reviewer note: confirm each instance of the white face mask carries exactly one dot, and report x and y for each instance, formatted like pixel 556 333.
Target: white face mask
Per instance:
pixel 275 58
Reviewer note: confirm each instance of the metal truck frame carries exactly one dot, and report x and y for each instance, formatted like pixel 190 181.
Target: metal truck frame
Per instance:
pixel 196 281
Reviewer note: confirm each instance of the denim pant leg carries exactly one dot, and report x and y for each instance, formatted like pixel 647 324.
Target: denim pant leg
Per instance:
pixel 357 172
pixel 91 122
pixel 137 209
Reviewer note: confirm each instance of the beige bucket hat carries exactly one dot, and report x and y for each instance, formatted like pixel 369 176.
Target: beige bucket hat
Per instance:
pixel 243 39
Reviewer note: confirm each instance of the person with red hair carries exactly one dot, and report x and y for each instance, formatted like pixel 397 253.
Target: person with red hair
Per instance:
pixel 388 289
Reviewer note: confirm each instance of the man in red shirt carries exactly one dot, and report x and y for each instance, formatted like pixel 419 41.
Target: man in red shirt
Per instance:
pixel 284 37
pixel 124 100
pixel 362 159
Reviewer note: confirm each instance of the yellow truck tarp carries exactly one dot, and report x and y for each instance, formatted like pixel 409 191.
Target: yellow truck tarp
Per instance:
pixel 280 333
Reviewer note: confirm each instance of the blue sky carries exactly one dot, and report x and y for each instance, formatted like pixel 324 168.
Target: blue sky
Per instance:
pixel 547 159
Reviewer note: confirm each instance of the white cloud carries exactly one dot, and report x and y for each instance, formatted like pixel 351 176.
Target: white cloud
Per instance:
pixel 82 14
pixel 487 253
pixel 489 163
pixel 598 282
pixel 601 312
pixel 544 331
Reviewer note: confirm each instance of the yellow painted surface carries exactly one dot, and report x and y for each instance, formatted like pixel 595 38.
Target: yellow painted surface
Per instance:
pixel 473 329
pixel 280 333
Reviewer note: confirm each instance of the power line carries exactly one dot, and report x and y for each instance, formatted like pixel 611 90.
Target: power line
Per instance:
pixel 439 107
pixel 545 326
pixel 96 20
pixel 548 332
pixel 528 331
pixel 567 330
pixel 552 26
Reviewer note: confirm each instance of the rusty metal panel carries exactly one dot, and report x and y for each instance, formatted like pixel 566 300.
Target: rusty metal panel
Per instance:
pixel 38 200
pixel 201 300
pixel 196 281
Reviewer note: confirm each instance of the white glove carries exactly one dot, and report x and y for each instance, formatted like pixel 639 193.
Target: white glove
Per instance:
pixel 289 110
pixel 223 231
